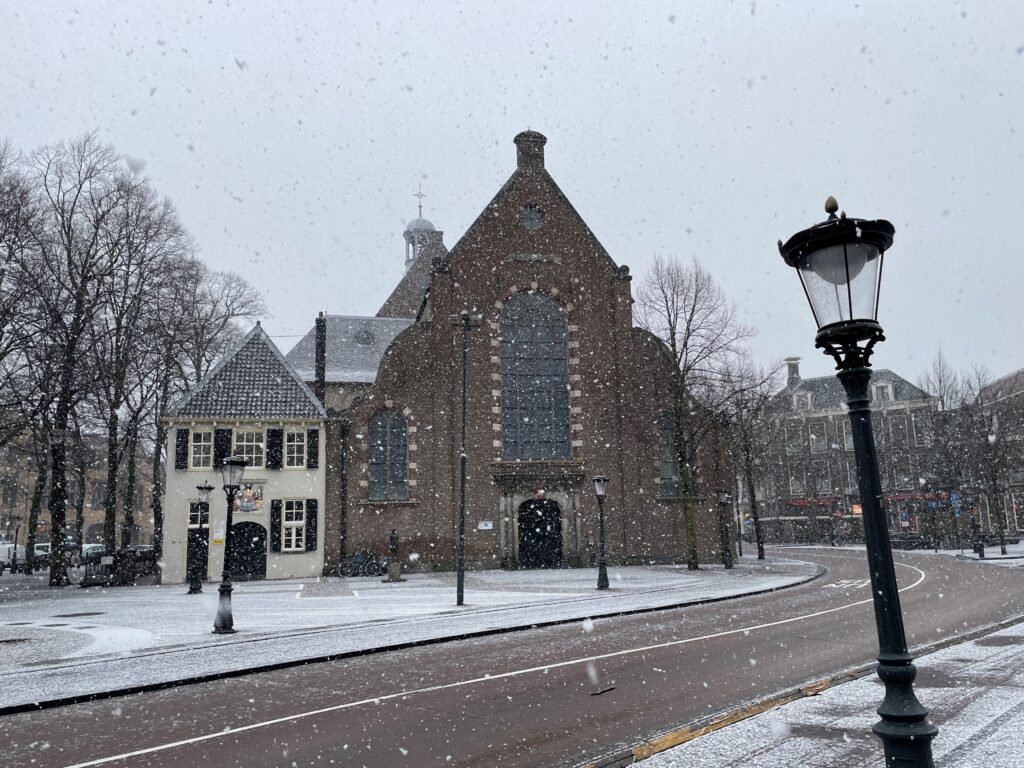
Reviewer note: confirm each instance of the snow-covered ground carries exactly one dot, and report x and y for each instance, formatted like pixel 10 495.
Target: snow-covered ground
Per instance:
pixel 975 692
pixel 74 642
pixel 1014 557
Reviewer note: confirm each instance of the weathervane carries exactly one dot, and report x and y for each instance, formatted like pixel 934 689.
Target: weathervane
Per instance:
pixel 419 194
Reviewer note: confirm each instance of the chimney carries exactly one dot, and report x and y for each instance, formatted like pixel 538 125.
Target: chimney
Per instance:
pixel 320 359
pixel 792 372
pixel 530 151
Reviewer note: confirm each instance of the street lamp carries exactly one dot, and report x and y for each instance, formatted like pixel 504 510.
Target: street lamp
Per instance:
pixel 839 262
pixel 195 578
pixel 724 500
pixel 16 519
pixel 600 487
pixel 231 473
pixel 466 319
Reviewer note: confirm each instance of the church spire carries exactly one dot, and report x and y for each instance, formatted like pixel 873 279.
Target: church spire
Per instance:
pixel 418 231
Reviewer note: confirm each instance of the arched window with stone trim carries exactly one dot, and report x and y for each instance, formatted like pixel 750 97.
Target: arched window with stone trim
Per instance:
pixel 389 456
pixel 534 379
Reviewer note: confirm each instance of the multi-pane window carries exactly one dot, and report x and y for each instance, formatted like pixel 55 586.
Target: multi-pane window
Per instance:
pixel 847 431
pixel 882 393
pixel 898 426
pixel 194 509
pixel 822 487
pixel 534 379
pixel 250 444
pixel 201 450
pixel 388 457
pixel 796 485
pixel 669 457
pixel 817 435
pixel 794 439
pixel 293 526
pixel 295 449
pixel 923 434
pixel 802 401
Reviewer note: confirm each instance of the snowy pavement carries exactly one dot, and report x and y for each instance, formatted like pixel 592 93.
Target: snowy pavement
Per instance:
pixel 1014 557
pixel 974 690
pixel 72 643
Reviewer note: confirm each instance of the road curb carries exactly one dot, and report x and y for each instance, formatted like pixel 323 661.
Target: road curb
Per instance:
pixel 673 738
pixel 292 663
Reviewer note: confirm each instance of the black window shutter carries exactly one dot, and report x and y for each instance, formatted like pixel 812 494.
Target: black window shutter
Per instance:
pixel 221 447
pixel 275 525
pixel 275 441
pixel 311 505
pixel 181 449
pixel 313 449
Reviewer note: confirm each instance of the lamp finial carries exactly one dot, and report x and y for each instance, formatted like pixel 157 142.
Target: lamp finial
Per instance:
pixel 831 205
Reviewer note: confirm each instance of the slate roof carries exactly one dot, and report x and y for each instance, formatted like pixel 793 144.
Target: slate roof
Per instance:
pixel 254 380
pixel 1010 385
pixel 355 346
pixel 828 394
pixel 407 298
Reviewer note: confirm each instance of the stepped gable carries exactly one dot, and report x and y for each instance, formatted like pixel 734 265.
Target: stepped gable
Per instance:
pixel 254 380
pixel 355 346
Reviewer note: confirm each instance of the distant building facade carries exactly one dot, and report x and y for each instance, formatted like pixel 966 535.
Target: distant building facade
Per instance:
pixel 807 488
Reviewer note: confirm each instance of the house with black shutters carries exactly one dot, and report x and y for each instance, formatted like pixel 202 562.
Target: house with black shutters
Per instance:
pixel 251 404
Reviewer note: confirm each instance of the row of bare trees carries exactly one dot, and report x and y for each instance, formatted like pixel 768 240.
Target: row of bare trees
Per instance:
pixel 979 429
pixel 719 393
pixel 106 315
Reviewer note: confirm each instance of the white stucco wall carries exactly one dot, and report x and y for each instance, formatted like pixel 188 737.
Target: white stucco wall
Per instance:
pixel 283 483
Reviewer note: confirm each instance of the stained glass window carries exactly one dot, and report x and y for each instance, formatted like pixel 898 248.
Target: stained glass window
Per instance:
pixel 534 379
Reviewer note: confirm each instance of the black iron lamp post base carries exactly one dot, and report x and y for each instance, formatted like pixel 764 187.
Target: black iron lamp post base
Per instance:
pixel 224 623
pixel 194 588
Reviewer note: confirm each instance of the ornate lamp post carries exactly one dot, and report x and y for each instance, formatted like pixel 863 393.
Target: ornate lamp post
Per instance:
pixel 195 576
pixel 231 474
pixel 600 488
pixel 839 262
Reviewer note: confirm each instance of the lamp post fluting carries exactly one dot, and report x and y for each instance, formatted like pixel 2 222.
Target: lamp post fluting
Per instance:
pixel 600 489
pixel 195 576
pixel 231 474
pixel 839 262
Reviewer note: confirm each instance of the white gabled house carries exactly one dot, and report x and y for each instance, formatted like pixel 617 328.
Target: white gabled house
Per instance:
pixel 251 404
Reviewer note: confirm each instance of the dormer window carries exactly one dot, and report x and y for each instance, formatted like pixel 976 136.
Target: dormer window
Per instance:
pixel 802 401
pixel 881 393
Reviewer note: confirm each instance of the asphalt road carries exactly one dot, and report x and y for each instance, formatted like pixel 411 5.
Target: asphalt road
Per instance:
pixel 546 697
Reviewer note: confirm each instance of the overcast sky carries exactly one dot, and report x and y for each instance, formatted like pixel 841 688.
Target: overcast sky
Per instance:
pixel 292 136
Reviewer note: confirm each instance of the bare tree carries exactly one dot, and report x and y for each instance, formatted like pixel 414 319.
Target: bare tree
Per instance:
pixel 75 186
pixel 681 304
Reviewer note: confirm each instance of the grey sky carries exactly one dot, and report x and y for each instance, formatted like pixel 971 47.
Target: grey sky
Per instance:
pixel 291 137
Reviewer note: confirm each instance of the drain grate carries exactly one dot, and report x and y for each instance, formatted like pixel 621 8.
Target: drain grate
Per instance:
pixel 76 615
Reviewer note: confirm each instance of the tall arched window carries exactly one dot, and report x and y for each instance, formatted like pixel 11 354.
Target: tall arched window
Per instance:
pixel 534 379
pixel 389 467
pixel 671 484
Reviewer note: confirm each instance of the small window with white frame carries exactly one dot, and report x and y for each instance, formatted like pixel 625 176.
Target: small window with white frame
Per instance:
pixel 796 485
pixel 794 439
pixel 816 432
pixel 802 401
pixel 293 526
pixel 195 509
pixel 923 434
pixel 847 435
pixel 295 449
pixel 250 444
pixel 201 449
pixel 881 393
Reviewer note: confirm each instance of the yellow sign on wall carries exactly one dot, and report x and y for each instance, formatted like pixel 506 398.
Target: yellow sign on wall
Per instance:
pixel 219 541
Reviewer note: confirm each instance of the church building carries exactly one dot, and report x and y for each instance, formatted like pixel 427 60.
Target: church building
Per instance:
pixel 559 387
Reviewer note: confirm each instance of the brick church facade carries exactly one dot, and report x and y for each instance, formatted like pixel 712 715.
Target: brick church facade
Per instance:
pixel 560 387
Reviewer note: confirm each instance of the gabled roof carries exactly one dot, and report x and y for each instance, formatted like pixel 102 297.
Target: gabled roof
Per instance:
pixel 1010 385
pixel 355 346
pixel 254 380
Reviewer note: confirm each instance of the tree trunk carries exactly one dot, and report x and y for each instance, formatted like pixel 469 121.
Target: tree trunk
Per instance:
pixel 128 529
pixel 686 476
pixel 37 505
pixel 58 501
pixel 110 502
pixel 756 516
pixel 80 472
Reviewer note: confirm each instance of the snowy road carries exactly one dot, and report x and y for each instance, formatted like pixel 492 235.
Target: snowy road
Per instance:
pixel 551 697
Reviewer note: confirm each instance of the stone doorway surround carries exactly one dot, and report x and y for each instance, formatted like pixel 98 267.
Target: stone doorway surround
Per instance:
pixel 519 481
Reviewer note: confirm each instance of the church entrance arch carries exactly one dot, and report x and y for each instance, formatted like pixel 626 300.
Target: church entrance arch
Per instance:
pixel 247 557
pixel 540 534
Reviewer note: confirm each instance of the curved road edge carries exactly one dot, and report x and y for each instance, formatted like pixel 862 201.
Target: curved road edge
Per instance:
pixel 42 704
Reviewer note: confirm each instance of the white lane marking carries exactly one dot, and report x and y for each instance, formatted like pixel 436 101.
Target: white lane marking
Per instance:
pixel 475 680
